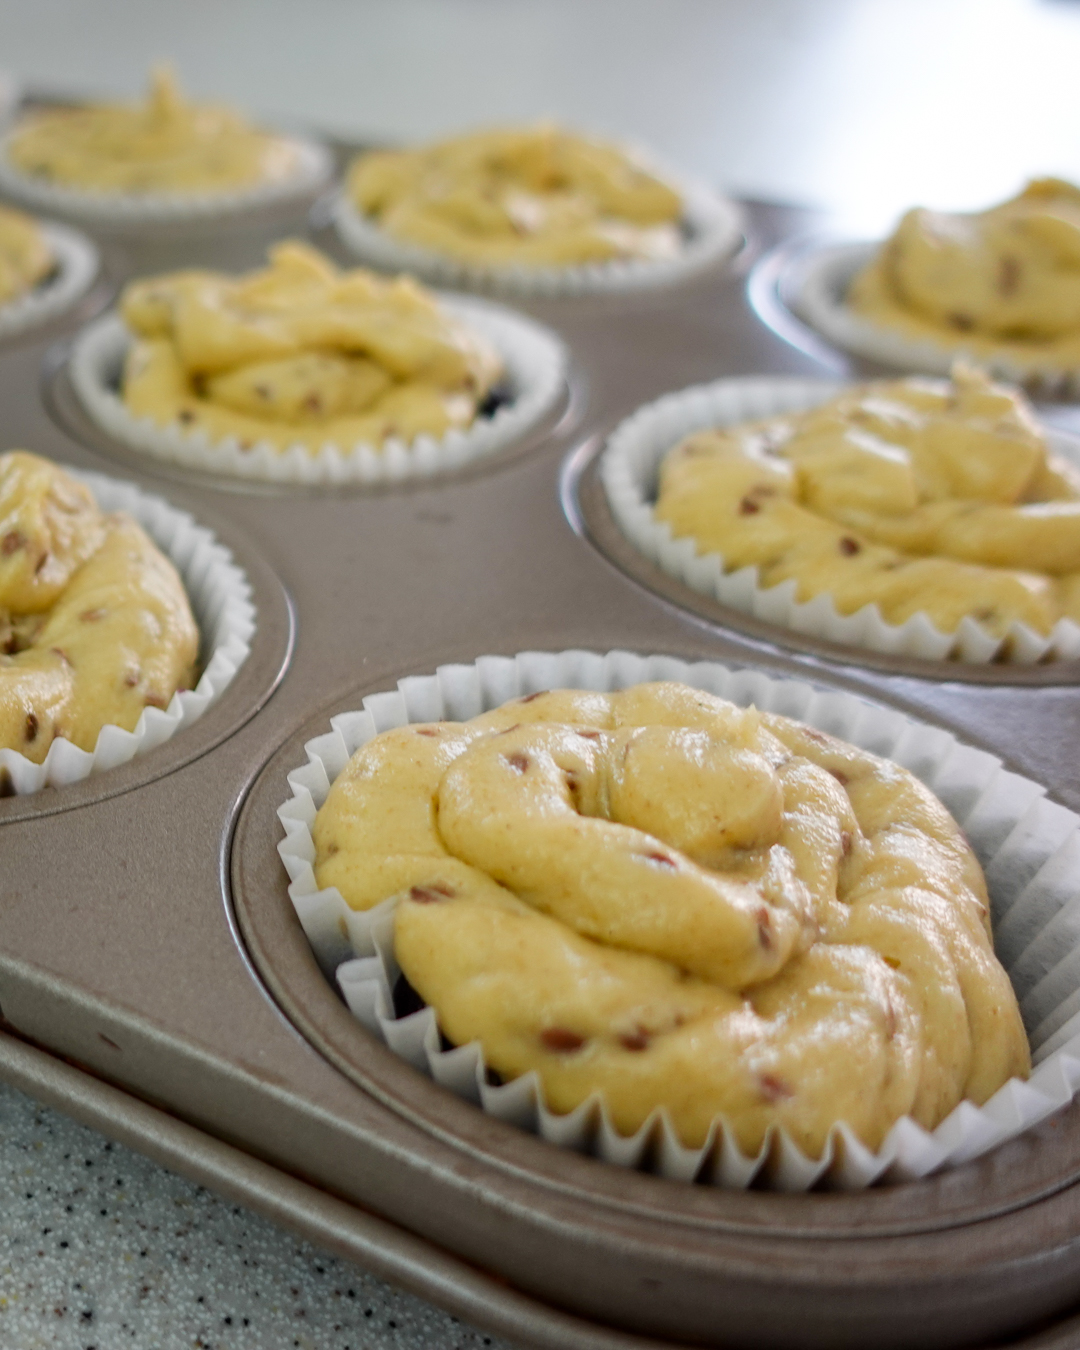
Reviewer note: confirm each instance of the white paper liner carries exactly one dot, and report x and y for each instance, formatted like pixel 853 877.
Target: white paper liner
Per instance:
pixel 629 470
pixel 313 169
pixel 535 360
pixel 77 262
pixel 714 226
pixel 1029 848
pixel 220 597
pixel 816 286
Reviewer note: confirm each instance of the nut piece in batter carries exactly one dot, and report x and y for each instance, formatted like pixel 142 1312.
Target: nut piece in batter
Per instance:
pixel 1005 281
pixel 915 495
pixel 165 145
pixel 301 353
pixel 682 905
pixel 536 196
pixel 25 256
pixel 95 625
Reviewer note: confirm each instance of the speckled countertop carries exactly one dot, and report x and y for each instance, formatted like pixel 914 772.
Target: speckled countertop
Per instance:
pixel 101 1249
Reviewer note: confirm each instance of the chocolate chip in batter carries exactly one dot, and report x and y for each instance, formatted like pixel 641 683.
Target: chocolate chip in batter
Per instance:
pixel 634 1040
pixel 11 543
pixel 92 615
pixel 1008 275
pixel 662 860
pixel 31 727
pixel 963 322
pixel 764 929
pixel 588 734
pixel 519 761
pixel 845 842
pixel 748 506
pixel 529 698
pixel 561 1040
pixel 39 566
pixel 185 415
pixel 849 547
pixel 774 1089
pixel 840 776
pixel 426 731
pixel 432 893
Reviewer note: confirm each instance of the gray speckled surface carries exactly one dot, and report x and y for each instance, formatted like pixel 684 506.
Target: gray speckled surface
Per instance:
pixel 101 1249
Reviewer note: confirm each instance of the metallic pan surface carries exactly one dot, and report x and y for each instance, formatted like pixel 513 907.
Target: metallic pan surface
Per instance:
pixel 120 941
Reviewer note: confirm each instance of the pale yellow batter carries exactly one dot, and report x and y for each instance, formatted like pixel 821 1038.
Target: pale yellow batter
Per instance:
pixel 682 904
pixel 165 145
pixel 537 196
pixel 25 257
pixel 301 353
pixel 1004 282
pixel 914 495
pixel 94 622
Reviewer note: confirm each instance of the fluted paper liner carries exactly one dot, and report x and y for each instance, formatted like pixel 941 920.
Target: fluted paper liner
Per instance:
pixel 713 228
pixel 816 285
pixel 535 361
pixel 77 263
pixel 629 471
pixel 1029 848
pixel 220 597
pixel 312 171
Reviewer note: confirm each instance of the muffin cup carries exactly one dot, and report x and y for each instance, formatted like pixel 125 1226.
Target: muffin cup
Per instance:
pixel 77 263
pixel 220 598
pixel 1026 845
pixel 629 471
pixel 313 170
pixel 536 364
pixel 815 289
pixel 714 226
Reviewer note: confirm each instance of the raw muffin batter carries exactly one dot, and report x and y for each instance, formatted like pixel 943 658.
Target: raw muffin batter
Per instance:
pixel 1003 282
pixel 165 145
pixel 94 622
pixel 682 904
pixel 25 257
pixel 537 196
pixel 301 353
pixel 914 495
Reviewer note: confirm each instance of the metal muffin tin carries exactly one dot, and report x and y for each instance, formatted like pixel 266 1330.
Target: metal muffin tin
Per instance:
pixel 155 983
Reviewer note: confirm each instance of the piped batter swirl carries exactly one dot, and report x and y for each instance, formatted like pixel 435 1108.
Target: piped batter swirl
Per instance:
pixel 919 496
pixel 95 625
pixel 165 145
pixel 682 905
pixel 301 353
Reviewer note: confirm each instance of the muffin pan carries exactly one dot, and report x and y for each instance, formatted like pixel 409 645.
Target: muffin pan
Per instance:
pixel 154 980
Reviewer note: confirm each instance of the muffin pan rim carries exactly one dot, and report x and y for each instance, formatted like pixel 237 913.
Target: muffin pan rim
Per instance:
pixel 283 1124
pixel 314 1007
